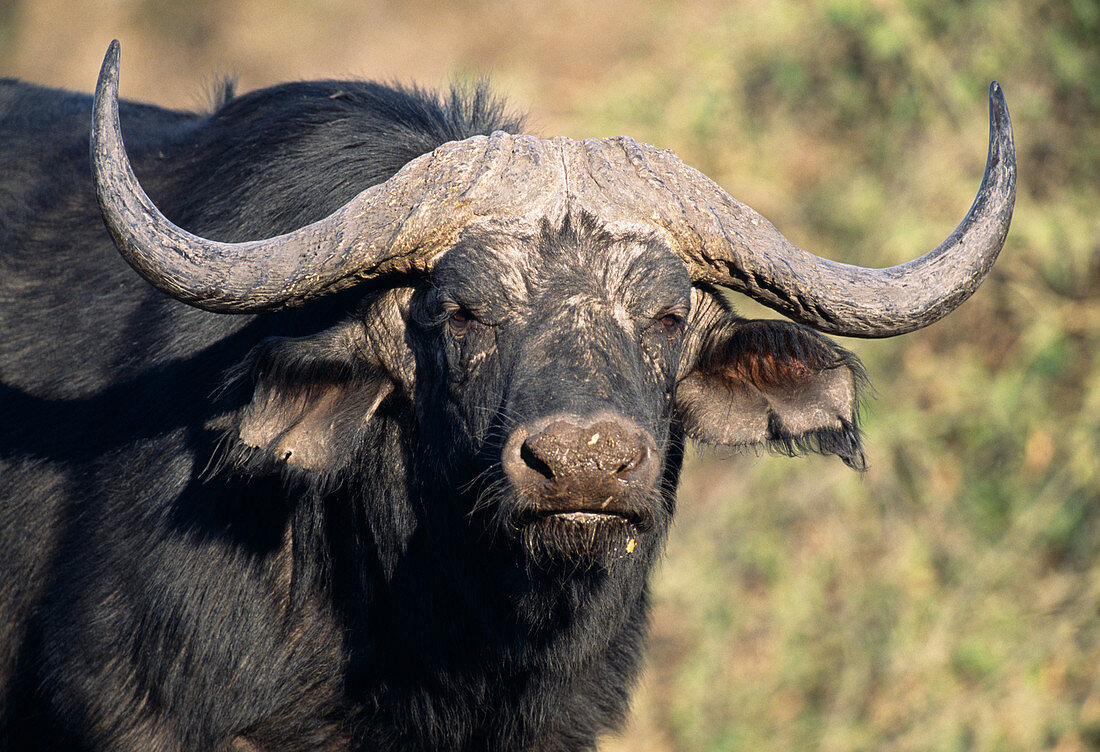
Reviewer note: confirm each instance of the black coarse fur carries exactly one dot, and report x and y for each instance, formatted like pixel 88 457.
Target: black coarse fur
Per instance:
pixel 117 554
pixel 292 531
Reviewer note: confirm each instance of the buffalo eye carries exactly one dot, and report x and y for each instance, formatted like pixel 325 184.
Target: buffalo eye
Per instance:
pixel 460 321
pixel 669 323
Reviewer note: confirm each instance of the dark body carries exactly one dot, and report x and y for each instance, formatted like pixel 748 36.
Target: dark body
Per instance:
pixel 128 558
pixel 417 514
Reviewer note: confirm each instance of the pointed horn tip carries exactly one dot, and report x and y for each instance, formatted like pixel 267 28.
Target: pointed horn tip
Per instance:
pixel 106 93
pixel 108 72
pixel 997 104
pixel 114 51
pixel 1000 123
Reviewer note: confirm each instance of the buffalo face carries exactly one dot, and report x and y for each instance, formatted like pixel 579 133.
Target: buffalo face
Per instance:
pixel 549 382
pixel 559 355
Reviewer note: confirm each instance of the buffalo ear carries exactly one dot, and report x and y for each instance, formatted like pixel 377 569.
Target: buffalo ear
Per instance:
pixel 773 383
pixel 310 403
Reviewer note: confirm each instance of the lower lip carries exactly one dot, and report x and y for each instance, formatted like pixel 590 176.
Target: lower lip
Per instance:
pixel 586 518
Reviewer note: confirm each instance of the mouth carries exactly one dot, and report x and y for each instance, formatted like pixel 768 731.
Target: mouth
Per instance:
pixel 582 535
pixel 583 516
pixel 586 517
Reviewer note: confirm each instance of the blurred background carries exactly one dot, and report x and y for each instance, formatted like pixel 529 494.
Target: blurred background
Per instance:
pixel 949 599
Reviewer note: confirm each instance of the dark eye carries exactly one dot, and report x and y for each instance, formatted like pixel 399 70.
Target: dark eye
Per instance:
pixel 460 320
pixel 671 323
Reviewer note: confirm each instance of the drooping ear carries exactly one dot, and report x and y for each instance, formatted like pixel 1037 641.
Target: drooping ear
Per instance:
pixel 773 383
pixel 312 399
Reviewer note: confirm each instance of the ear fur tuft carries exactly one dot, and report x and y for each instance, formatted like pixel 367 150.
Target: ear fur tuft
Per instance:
pixel 775 384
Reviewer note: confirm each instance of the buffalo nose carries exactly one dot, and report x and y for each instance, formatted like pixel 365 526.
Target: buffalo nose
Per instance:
pixel 580 455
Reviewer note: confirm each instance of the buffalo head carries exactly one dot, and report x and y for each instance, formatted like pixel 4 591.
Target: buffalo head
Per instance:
pixel 547 317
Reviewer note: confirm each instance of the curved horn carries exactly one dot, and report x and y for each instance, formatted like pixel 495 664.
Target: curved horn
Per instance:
pixel 726 243
pixel 396 226
pixel 512 183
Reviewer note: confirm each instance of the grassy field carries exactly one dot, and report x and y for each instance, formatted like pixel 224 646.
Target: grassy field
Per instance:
pixel 949 599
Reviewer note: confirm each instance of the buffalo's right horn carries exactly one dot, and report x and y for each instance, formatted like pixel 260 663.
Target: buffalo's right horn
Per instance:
pixel 397 226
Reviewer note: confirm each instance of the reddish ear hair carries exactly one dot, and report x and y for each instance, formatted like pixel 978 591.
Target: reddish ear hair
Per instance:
pixel 773 383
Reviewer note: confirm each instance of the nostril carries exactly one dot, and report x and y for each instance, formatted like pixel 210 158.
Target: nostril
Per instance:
pixel 633 463
pixel 529 458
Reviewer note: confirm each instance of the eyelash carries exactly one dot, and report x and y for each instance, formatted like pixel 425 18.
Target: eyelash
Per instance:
pixel 671 324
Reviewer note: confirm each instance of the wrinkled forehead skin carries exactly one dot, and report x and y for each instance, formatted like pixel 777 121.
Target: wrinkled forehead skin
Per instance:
pixel 573 313
pixel 632 272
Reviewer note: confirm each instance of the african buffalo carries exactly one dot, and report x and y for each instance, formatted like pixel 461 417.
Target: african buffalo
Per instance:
pixel 383 456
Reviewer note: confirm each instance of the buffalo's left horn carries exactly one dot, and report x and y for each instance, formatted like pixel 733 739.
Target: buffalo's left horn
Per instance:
pixel 726 243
